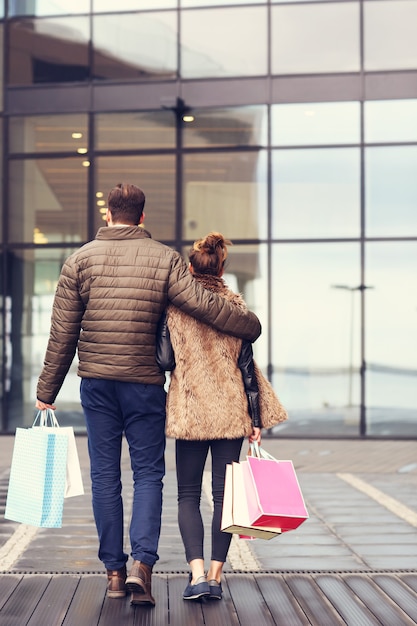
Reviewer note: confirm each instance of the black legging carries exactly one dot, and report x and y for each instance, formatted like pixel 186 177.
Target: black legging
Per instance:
pixel 191 458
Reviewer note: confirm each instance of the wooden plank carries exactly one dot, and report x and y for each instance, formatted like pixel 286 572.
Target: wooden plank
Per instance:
pixel 116 611
pixel 280 600
pixel 311 599
pixel 250 605
pixel 23 601
pixel 353 611
pixel 182 612
pixel 55 601
pixel 402 595
pixel 220 612
pixel 87 603
pixel 377 601
pixel 157 615
pixel 8 583
pixel 410 580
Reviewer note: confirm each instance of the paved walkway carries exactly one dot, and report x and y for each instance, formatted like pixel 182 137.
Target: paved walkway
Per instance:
pixel 361 497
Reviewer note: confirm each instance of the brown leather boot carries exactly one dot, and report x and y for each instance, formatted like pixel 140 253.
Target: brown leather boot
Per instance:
pixel 116 587
pixel 139 583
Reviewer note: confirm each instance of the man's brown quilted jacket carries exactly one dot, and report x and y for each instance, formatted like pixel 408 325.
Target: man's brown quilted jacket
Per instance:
pixel 109 298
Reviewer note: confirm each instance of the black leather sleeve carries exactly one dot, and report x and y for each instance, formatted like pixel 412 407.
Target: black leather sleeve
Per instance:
pixel 164 353
pixel 246 366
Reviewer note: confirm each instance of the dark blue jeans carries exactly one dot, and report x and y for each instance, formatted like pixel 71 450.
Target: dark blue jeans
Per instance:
pixel 112 408
pixel 191 458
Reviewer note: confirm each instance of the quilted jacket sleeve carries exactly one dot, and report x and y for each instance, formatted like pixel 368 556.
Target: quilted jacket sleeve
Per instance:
pixel 67 314
pixel 189 296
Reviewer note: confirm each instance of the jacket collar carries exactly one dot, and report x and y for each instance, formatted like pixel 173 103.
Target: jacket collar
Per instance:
pixel 122 232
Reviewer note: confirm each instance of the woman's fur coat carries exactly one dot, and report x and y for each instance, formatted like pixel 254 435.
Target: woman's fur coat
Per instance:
pixel 206 397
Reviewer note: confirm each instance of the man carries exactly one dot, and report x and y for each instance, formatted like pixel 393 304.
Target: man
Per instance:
pixel 109 298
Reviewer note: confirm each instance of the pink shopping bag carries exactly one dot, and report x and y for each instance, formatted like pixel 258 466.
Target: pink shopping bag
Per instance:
pixel 273 493
pixel 235 518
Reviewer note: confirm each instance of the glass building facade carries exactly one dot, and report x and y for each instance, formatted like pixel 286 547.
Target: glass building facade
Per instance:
pixel 290 126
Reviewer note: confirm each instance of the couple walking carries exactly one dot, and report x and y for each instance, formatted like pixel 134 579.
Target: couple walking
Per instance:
pixel 133 309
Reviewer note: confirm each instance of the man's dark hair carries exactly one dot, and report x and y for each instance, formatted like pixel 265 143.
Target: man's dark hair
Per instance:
pixel 126 204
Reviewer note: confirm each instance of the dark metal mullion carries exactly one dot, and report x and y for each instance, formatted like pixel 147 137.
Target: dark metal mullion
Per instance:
pixel 91 198
pixel 5 266
pixel 178 112
pixel 362 409
pixel 178 181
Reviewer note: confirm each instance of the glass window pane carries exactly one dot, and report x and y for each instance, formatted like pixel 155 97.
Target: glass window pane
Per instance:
pixel 316 193
pixel 390 35
pixel 391 338
pixel 48 50
pixel 48 200
pixel 48 133
pixel 237 126
pixel 315 123
pixel 48 7
pixel 316 336
pixel 104 6
pixel 134 131
pixel 391 120
pixel 225 192
pixel 315 38
pixel 214 42
pixel 391 191
pixel 33 278
pixel 132 46
pixel 155 174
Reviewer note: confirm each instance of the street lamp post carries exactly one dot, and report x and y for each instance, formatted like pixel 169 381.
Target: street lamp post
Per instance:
pixel 352 292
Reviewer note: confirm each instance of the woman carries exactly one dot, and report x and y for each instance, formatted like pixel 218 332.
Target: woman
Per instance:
pixel 212 404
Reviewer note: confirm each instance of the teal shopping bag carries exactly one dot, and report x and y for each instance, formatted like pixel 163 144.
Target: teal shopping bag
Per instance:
pixel 36 489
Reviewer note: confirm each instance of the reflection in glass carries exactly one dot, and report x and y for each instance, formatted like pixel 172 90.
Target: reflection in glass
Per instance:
pixel 225 191
pixel 51 50
pixel 132 46
pixel 316 336
pixel 315 38
pixel 390 35
pixel 215 42
pixel 237 126
pixel 47 7
pixel 48 200
pixel 315 123
pixel 104 6
pixel 316 193
pixel 391 191
pixel 134 131
pixel 155 174
pixel 48 133
pixel 390 120
pixel 33 278
pixel 391 338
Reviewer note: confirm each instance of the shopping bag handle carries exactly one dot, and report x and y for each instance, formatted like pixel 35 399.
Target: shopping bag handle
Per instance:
pixel 256 450
pixel 46 417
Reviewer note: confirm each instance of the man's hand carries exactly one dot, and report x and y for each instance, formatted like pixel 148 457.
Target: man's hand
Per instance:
pixel 42 406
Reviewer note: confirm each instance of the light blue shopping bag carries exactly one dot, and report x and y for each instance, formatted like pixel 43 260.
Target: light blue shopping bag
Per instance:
pixel 37 477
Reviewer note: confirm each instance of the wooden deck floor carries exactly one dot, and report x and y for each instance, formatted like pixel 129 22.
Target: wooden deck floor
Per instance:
pixel 250 599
